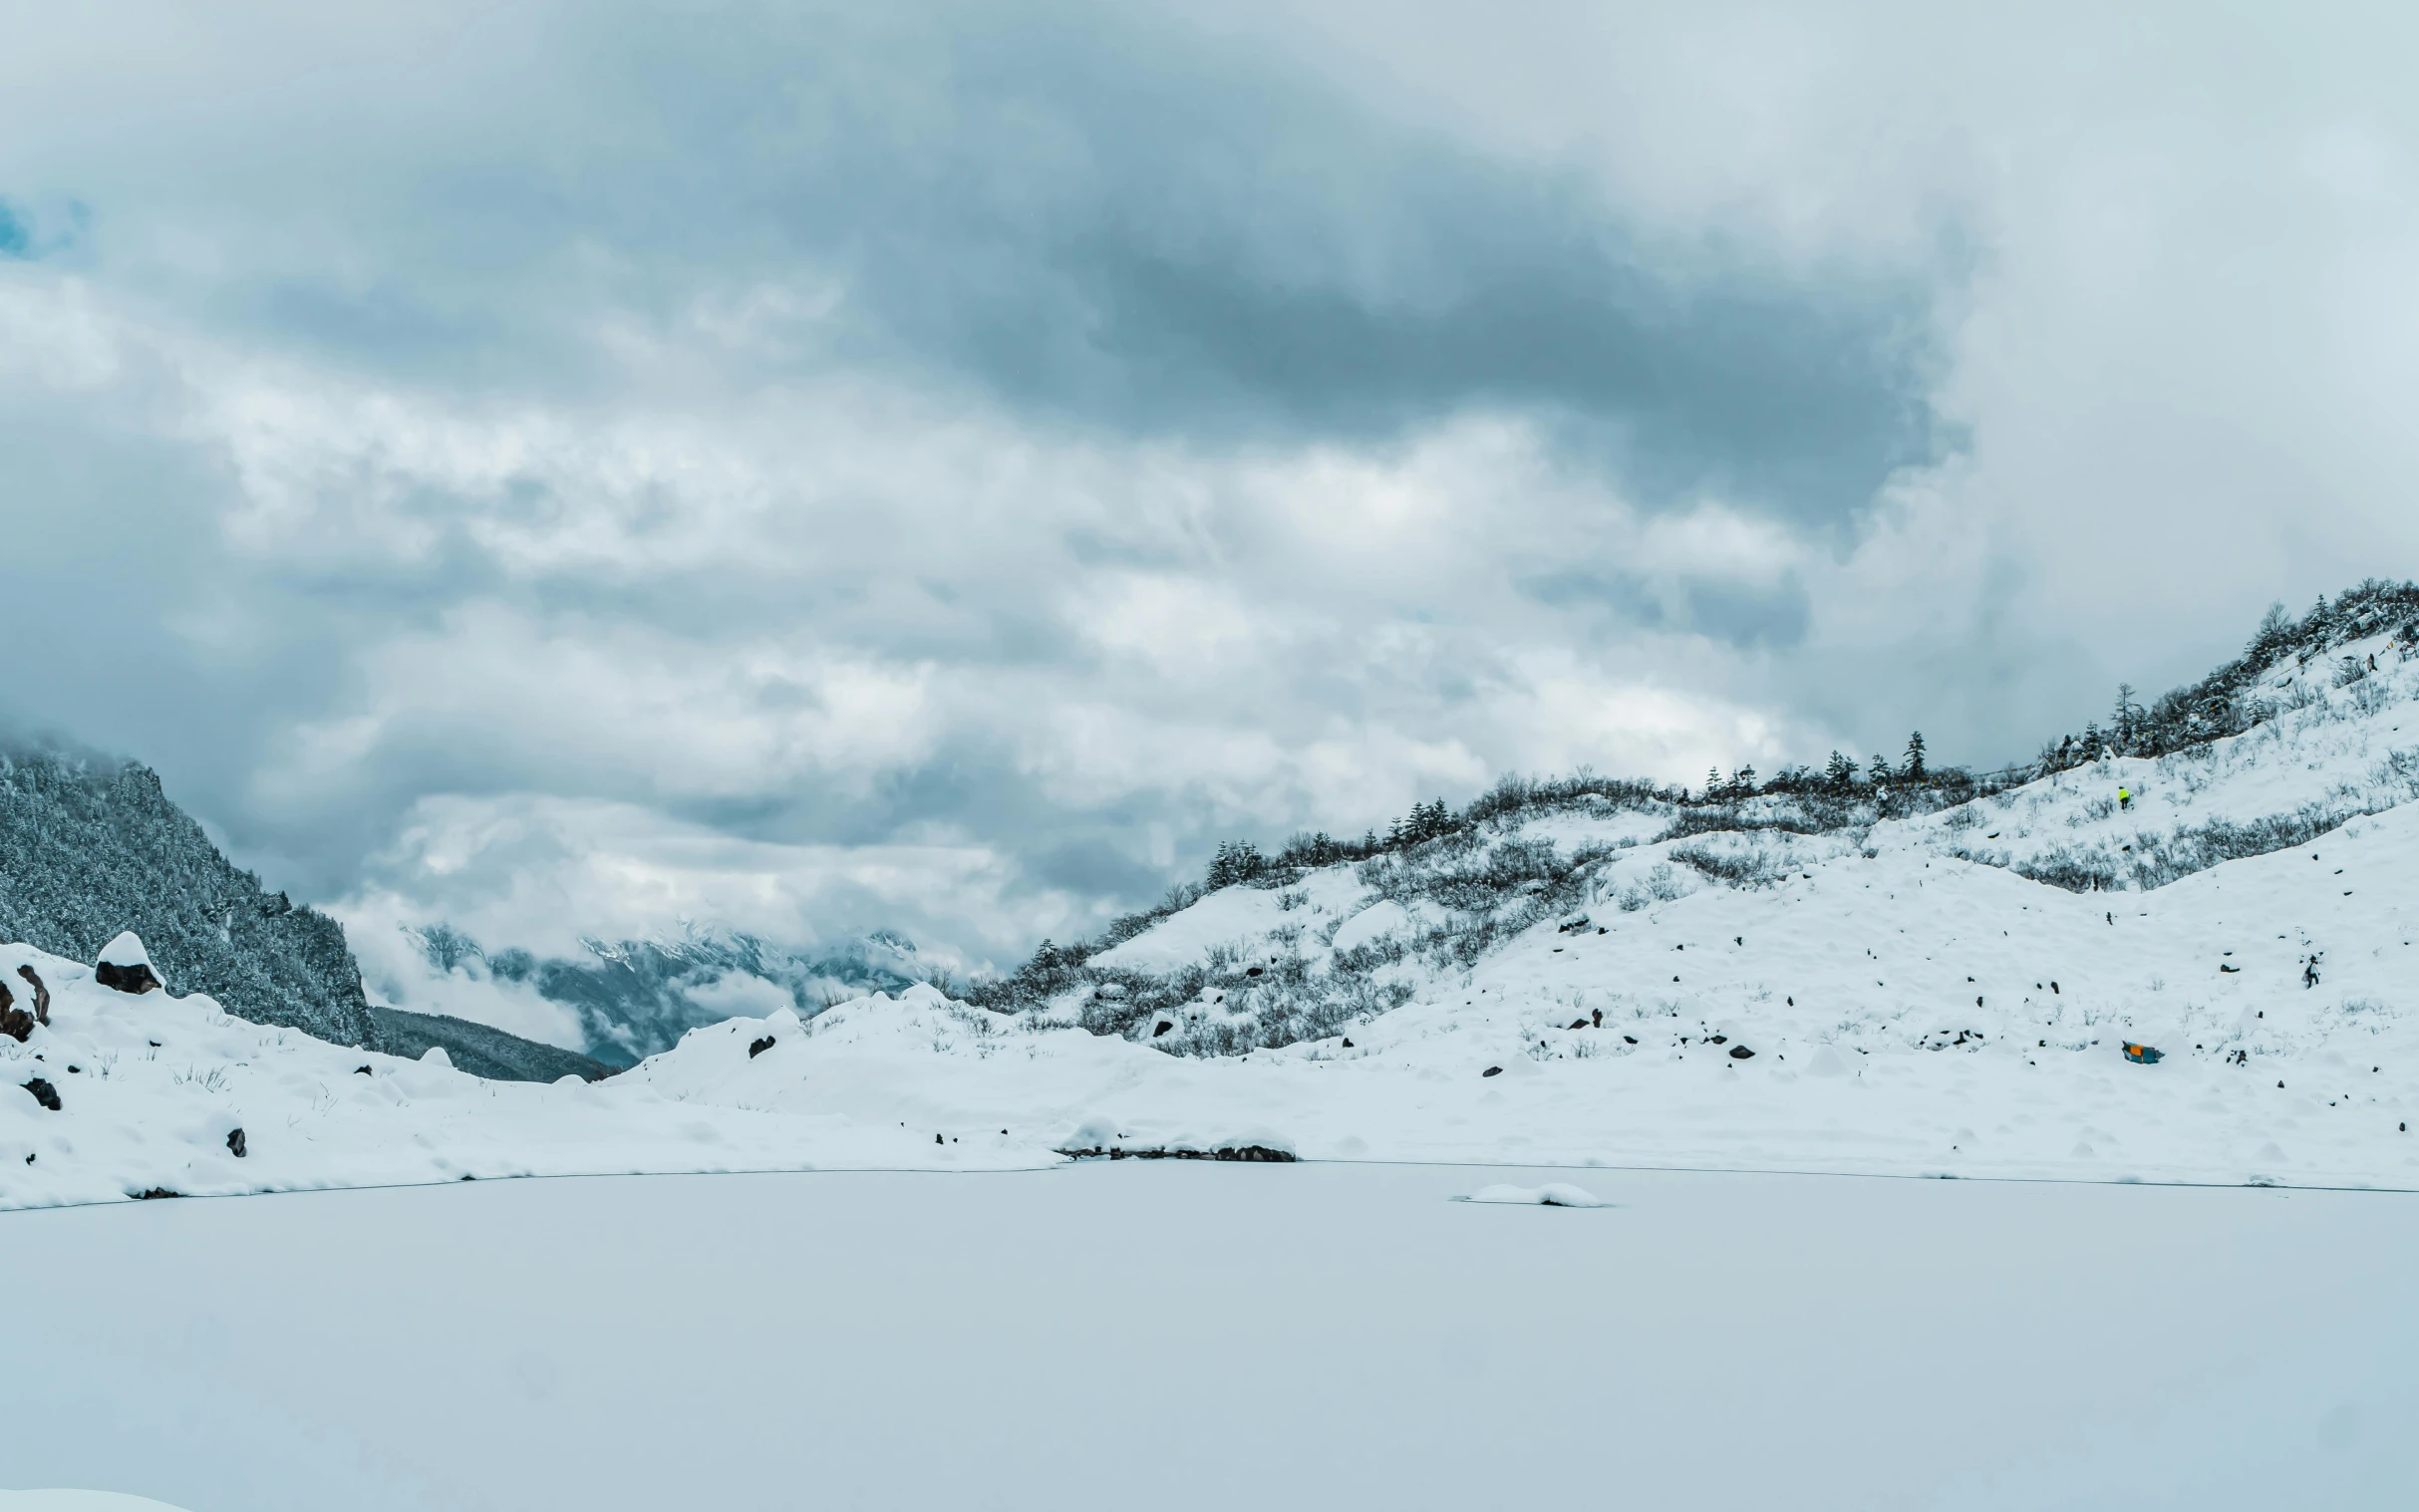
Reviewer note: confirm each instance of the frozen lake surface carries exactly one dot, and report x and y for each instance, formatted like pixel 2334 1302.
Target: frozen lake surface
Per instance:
pixel 1188 1335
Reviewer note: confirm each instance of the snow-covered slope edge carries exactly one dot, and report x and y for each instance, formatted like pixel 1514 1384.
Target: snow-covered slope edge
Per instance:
pixel 151 1092
pixel 1903 1014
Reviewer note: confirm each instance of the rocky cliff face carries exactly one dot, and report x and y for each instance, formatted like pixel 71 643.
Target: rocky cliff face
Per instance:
pixel 89 847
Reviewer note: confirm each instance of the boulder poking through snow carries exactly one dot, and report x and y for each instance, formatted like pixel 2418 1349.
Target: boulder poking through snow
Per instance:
pixel 42 994
pixel 1552 1194
pixel 126 966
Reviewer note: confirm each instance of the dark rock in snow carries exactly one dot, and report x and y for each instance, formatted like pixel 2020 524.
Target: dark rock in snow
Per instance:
pixel 1493 1071
pixel 1579 1024
pixel 15 1022
pixel 1742 1053
pixel 1250 1154
pixel 1161 1027
pixel 1257 971
pixel 1347 1043
pixel 757 1048
pixel 136 979
pixel 43 1093
pixel 156 1193
pixel 1255 1154
pixel 236 1143
pixel 41 995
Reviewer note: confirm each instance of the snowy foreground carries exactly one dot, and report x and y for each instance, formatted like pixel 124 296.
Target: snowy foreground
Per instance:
pixel 1190 1336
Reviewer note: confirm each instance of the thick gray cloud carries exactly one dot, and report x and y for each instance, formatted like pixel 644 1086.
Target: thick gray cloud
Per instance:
pixel 568 469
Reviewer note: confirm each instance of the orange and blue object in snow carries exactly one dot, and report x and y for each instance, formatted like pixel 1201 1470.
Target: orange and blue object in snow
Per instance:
pixel 2141 1054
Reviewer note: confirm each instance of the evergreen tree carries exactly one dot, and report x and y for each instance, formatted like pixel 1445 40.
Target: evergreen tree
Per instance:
pixel 1237 862
pixel 1915 757
pixel 2125 726
pixel 1877 772
pixel 1841 772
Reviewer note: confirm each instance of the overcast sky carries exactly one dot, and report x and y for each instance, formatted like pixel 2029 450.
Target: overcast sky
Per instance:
pixel 570 467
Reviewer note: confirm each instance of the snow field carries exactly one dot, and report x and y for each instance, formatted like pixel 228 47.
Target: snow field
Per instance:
pixel 1184 1336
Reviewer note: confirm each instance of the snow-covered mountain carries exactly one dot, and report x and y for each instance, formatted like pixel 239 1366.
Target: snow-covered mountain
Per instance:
pixel 630 998
pixel 90 846
pixel 1936 975
pixel 2281 747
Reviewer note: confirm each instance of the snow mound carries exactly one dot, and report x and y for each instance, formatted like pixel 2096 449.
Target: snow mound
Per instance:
pixel 1381 919
pixel 1552 1194
pixel 126 950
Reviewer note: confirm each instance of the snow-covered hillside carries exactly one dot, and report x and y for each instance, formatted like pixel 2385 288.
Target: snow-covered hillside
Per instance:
pixel 90 846
pixel 128 1095
pixel 1583 983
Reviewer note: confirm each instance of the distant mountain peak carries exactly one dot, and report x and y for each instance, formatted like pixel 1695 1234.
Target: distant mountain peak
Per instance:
pixel 636 997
